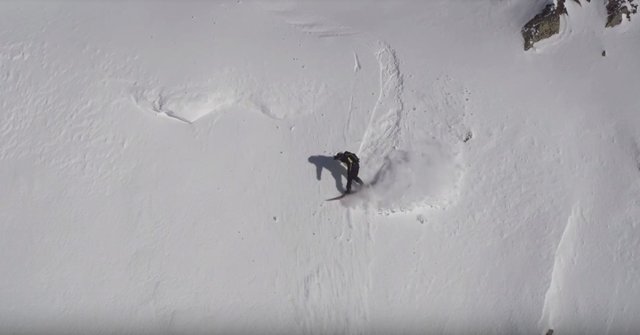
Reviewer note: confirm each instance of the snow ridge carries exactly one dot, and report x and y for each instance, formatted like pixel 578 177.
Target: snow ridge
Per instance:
pixel 565 253
pixel 190 103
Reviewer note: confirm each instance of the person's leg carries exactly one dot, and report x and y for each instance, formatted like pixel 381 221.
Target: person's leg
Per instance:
pixel 354 174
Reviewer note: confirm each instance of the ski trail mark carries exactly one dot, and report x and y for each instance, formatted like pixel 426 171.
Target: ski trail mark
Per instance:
pixel 348 124
pixel 382 134
pixel 332 279
pixel 414 169
pixel 425 172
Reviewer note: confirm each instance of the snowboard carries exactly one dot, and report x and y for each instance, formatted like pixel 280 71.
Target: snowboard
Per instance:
pixel 339 197
pixel 346 194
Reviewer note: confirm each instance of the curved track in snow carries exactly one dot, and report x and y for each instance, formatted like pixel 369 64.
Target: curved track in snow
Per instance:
pixel 331 295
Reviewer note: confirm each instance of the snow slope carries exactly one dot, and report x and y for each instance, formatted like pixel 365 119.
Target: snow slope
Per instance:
pixel 165 166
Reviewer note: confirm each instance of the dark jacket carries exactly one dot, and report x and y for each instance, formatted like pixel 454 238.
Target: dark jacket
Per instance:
pixel 348 158
pixel 353 167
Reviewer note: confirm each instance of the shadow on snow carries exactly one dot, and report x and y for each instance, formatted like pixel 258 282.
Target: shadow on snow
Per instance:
pixel 327 162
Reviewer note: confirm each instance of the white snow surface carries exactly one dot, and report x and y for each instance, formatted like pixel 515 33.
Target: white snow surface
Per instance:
pixel 165 166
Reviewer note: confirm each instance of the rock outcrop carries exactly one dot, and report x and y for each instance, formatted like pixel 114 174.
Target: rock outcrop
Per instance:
pixel 618 9
pixel 547 22
pixel 543 25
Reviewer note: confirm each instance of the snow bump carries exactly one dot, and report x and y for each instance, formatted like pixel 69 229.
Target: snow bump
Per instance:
pixel 277 101
pixel 182 105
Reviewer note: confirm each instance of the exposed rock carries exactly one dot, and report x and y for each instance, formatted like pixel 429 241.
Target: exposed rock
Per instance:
pixel 550 332
pixel 618 9
pixel 468 137
pixel 604 53
pixel 547 22
pixel 543 25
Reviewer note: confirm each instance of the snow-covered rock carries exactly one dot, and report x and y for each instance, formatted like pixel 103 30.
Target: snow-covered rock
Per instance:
pixel 547 23
pixel 619 9
pixel 543 25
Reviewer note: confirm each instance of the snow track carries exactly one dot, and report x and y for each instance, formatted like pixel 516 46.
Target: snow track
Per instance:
pixel 333 295
pixel 383 133
pixel 413 171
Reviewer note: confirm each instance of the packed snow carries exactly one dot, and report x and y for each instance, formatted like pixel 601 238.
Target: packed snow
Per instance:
pixel 166 167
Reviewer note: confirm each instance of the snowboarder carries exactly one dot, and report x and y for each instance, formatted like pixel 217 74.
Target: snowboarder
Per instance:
pixel 353 167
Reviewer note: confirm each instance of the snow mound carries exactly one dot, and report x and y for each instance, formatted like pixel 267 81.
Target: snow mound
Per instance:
pixel 279 100
pixel 186 105
pixel 410 180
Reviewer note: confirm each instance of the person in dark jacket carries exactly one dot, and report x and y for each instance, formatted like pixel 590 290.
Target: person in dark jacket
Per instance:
pixel 353 167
